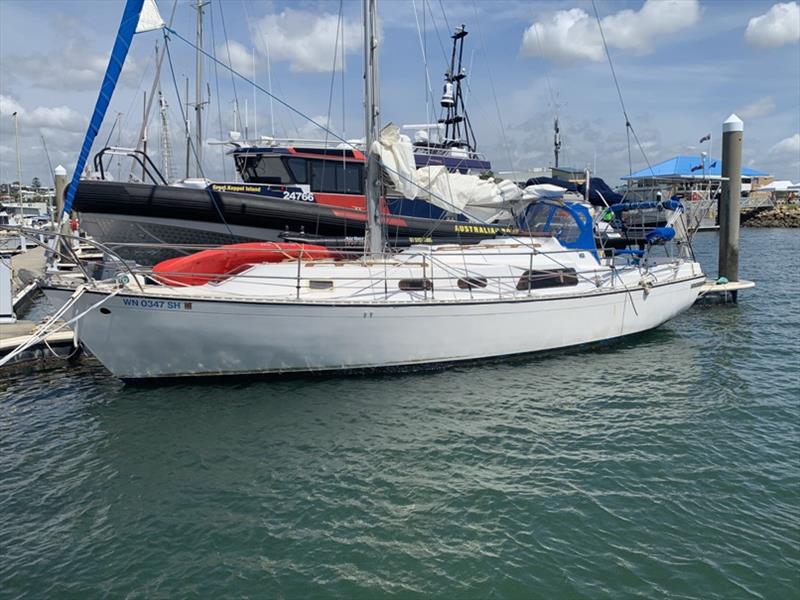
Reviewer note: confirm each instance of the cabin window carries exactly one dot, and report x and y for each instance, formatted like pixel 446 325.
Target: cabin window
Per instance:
pixel 415 285
pixel 472 282
pixel 536 280
pixel 262 169
pixel 298 167
pixel 354 178
pixel 324 176
pixel 320 284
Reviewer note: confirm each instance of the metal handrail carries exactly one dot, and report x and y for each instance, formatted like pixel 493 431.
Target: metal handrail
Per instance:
pixel 132 153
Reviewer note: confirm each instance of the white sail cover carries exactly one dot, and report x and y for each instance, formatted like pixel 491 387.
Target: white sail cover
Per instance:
pixel 149 18
pixel 546 191
pixel 397 156
pixel 477 198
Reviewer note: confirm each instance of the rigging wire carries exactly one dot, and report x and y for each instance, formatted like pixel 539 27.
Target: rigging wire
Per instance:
pixel 47 154
pixel 436 29
pixel 333 66
pixel 238 124
pixel 211 195
pixel 444 14
pixel 546 72
pixel 494 91
pixel 628 124
pixel 423 48
pixel 339 25
pixel 219 98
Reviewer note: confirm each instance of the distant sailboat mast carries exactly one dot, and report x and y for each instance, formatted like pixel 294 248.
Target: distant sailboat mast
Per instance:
pixel 166 144
pixel 198 98
pixel 556 140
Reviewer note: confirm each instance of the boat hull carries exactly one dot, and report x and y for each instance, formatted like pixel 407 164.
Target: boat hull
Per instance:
pixel 119 214
pixel 165 337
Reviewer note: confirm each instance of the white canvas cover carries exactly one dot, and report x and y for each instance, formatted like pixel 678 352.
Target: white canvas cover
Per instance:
pixel 478 198
pixel 397 155
pixel 541 191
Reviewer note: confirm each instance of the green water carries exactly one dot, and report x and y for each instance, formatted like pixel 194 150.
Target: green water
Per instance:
pixel 664 466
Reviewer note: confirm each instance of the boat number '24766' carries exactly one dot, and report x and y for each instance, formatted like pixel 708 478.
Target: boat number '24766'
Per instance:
pixel 304 196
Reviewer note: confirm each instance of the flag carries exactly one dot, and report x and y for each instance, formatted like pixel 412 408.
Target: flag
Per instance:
pixel 705 138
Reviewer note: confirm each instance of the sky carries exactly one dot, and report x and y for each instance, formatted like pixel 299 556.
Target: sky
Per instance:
pixel 682 66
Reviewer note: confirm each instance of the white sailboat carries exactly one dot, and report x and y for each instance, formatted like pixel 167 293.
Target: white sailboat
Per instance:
pixel 426 305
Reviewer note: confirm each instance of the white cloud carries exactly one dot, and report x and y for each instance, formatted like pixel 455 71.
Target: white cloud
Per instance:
pixel 778 26
pixel 573 35
pixel 306 39
pixel 789 147
pixel 9 106
pixel 309 131
pixel 241 58
pixel 74 68
pixel 55 118
pixel 760 108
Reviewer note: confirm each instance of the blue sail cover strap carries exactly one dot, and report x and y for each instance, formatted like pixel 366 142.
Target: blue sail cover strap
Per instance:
pixel 127 27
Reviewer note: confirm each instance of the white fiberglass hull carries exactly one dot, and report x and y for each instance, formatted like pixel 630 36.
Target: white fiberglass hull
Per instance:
pixel 169 337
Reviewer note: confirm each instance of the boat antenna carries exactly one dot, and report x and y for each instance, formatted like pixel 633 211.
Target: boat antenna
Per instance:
pixel 373 236
pixel 452 97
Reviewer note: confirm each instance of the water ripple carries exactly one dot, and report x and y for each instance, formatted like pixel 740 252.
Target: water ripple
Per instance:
pixel 667 465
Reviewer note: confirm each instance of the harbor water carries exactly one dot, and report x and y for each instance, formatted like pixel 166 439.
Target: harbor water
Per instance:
pixel 666 465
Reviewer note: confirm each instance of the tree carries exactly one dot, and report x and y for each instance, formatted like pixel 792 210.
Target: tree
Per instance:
pixel 36 184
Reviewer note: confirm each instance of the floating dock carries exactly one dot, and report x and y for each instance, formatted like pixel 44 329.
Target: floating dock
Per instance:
pixel 714 292
pixel 26 270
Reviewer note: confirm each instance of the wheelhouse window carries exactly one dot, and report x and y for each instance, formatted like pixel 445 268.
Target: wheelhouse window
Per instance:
pixel 298 167
pixel 336 176
pixel 262 169
pixel 327 176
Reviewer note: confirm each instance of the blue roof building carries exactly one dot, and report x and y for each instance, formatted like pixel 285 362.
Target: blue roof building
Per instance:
pixel 688 167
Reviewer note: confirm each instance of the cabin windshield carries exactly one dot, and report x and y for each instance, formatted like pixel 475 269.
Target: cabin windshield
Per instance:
pixel 321 175
pixel 555 220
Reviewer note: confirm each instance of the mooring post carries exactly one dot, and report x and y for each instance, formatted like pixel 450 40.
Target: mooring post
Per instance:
pixel 732 130
pixel 54 245
pixel 61 185
pixel 6 291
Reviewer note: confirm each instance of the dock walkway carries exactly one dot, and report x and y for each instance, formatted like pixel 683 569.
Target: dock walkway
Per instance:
pixel 27 267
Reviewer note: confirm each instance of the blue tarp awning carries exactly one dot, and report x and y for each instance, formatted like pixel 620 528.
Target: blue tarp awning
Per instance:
pixel 689 166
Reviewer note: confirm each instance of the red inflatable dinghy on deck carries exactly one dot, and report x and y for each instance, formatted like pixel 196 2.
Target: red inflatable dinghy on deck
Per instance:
pixel 217 263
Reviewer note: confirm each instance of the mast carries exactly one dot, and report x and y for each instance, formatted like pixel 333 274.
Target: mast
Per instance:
pixel 19 164
pixel 556 140
pixel 373 237
pixel 198 100
pixel 143 137
pixel 187 131
pixel 166 144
